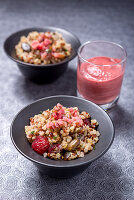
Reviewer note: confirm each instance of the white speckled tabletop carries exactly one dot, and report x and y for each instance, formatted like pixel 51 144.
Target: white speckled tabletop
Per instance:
pixel 112 176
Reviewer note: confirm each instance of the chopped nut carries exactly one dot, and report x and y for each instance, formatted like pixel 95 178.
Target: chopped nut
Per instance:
pixel 73 144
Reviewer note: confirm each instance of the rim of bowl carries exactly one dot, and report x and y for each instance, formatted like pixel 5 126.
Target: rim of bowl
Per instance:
pixel 63 166
pixel 104 41
pixel 48 65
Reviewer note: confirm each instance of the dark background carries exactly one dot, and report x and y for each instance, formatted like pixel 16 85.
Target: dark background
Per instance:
pixel 110 177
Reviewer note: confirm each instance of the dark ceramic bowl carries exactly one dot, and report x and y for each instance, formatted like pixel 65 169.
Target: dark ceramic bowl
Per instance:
pixel 41 73
pixel 54 168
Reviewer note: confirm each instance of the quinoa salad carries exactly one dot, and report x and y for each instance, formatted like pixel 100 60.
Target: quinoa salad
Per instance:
pixel 43 48
pixel 62 133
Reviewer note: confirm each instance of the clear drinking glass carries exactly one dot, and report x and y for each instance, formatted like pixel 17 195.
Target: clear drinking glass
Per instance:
pixel 100 71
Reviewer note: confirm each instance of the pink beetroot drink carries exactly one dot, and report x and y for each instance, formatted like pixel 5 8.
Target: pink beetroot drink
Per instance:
pixel 100 79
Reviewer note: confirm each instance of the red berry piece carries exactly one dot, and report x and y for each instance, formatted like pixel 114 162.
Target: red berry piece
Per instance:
pixel 47 42
pixel 40 144
pixel 59 114
pixel 87 122
pixel 40 46
pixel 35 44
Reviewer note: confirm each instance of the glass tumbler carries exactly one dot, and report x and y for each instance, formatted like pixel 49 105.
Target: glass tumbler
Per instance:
pixel 100 71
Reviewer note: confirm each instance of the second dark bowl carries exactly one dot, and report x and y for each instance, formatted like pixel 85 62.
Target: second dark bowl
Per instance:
pixel 41 73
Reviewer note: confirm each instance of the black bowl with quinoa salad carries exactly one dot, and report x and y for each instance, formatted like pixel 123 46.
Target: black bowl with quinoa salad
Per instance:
pixel 42 54
pixel 62 135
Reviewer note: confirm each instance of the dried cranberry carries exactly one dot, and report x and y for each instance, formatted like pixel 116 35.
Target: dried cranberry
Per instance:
pixel 40 144
pixel 87 121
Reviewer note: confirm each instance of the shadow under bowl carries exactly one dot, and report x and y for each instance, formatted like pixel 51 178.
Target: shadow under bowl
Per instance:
pixel 41 73
pixel 61 168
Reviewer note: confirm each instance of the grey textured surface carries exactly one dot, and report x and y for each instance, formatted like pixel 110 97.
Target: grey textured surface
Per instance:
pixel 112 176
